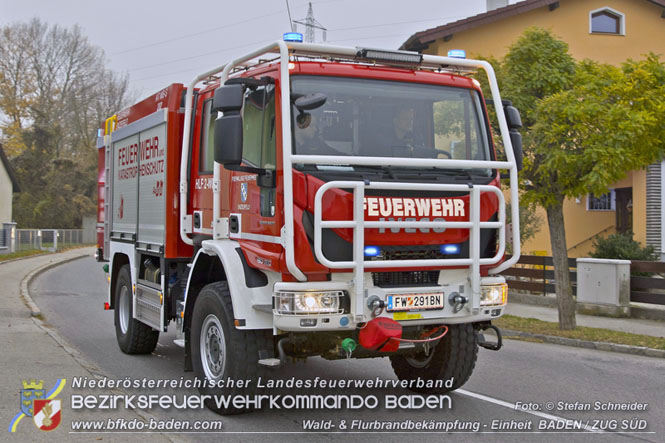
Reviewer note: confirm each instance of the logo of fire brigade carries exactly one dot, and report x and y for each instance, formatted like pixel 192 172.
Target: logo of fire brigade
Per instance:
pixel 47 414
pixel 41 406
pixel 243 192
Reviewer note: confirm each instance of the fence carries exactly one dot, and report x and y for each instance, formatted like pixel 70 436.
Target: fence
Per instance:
pixel 47 239
pixel 648 287
pixel 535 274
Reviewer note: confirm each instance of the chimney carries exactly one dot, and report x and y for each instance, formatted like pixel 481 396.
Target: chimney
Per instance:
pixel 496 4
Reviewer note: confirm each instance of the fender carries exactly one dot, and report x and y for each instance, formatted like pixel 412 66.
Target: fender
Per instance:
pixel 243 298
pixel 119 248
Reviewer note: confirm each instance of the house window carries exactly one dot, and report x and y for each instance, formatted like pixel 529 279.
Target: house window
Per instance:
pixel 607 21
pixel 604 202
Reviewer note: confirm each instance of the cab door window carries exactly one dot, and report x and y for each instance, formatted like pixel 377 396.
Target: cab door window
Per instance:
pixel 259 127
pixel 207 150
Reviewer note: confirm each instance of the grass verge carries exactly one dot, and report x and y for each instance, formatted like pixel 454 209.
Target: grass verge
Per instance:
pixel 19 254
pixel 535 326
pixel 31 252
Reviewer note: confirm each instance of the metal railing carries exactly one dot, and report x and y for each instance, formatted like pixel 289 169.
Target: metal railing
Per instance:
pixel 47 239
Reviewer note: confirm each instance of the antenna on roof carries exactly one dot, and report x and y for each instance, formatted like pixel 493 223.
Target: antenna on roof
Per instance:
pixel 288 9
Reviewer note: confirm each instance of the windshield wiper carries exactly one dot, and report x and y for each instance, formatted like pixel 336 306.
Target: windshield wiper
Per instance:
pixel 387 169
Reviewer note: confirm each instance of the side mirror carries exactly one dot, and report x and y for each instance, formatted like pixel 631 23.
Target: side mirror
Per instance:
pixel 228 128
pixel 310 101
pixel 228 98
pixel 512 117
pixel 228 140
pixel 516 141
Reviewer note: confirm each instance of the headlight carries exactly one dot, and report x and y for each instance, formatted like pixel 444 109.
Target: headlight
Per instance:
pixel 302 303
pixel 494 295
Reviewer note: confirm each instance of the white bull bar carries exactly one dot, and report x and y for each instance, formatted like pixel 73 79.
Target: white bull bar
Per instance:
pixel 358 224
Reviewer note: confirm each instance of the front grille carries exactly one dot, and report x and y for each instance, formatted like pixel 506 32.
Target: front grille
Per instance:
pixel 405 278
pixel 411 252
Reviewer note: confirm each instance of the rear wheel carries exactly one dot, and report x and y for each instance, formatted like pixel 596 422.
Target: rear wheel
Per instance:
pixel 454 357
pixel 133 336
pixel 222 352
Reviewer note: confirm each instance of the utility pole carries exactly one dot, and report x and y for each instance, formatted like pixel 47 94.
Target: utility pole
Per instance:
pixel 311 24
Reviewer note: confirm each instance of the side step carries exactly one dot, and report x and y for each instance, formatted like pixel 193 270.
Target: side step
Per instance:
pixel 270 362
pixel 149 306
pixel 263 308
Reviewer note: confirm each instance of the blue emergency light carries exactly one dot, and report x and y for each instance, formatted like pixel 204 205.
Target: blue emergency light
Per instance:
pixel 293 37
pixel 450 249
pixel 457 53
pixel 372 251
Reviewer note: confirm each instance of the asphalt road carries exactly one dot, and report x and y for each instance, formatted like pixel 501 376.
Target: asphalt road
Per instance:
pixel 549 378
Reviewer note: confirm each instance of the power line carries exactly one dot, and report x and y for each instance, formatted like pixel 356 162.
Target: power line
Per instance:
pixel 150 45
pixel 217 28
pixel 202 55
pixel 396 23
pixel 367 38
pixel 217 51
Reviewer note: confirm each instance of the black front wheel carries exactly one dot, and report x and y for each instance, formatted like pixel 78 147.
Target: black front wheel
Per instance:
pixel 454 357
pixel 222 352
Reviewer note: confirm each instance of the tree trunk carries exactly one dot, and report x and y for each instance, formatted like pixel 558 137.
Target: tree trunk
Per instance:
pixel 564 293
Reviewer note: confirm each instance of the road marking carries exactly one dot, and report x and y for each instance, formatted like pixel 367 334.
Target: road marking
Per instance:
pixel 512 406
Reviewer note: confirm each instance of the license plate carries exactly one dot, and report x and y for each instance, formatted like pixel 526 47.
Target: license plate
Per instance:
pixel 415 302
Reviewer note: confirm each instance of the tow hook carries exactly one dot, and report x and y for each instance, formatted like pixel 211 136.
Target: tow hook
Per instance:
pixel 376 305
pixel 482 342
pixel 457 301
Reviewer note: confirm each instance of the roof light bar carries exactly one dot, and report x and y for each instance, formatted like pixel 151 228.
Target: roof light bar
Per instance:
pixel 379 55
pixel 457 53
pixel 293 37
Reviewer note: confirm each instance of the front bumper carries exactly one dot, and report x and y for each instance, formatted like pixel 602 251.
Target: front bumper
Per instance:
pixel 450 281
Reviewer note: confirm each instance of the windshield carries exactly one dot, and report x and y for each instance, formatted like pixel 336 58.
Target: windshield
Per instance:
pixel 378 118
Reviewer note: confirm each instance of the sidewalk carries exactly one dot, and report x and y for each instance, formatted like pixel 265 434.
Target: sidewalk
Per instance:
pixel 30 350
pixel 635 326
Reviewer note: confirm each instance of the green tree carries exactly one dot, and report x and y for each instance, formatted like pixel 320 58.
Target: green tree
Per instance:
pixel 585 125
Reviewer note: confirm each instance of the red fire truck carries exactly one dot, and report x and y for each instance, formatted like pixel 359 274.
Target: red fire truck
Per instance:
pixel 311 200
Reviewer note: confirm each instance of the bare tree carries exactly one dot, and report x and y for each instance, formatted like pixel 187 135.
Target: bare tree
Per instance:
pixel 55 91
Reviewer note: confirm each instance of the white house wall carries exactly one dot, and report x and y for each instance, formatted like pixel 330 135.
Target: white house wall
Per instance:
pixel 6 190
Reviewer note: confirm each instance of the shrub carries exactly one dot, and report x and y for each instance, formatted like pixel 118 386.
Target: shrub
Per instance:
pixel 622 247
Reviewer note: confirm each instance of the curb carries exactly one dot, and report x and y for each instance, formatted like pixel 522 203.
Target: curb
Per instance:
pixel 598 345
pixel 86 364
pixel 34 309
